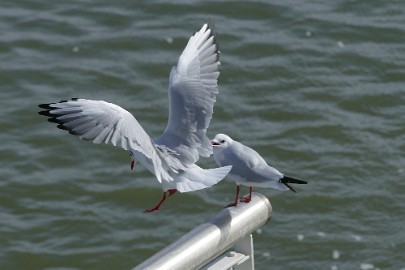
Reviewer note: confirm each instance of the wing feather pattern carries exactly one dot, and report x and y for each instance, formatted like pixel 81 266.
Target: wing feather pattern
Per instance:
pixel 193 88
pixel 103 122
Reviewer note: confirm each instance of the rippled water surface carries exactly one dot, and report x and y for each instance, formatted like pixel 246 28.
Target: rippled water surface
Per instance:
pixel 317 87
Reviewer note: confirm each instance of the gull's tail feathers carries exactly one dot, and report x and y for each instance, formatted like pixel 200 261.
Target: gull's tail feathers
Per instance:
pixel 196 178
pixel 289 180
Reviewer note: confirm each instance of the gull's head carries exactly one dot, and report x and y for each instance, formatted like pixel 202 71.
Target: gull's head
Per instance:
pixel 221 141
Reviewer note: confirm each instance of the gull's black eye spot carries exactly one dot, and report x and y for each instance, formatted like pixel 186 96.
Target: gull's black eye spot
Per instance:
pixel 222 141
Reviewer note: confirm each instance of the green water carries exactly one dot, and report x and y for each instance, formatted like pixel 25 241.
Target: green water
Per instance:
pixel 317 87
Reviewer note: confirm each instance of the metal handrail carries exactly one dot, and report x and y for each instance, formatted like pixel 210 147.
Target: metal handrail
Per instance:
pixel 212 238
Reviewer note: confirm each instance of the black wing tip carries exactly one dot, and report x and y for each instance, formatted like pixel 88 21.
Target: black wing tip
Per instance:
pixel 71 131
pixel 52 117
pixel 287 179
pixel 60 126
pixel 71 99
pixel 48 105
pixel 47 109
pixel 290 187
pixel 45 106
pixel 45 113
pixel 54 120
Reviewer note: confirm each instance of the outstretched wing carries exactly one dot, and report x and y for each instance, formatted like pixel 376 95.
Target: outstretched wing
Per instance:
pixel 103 122
pixel 193 88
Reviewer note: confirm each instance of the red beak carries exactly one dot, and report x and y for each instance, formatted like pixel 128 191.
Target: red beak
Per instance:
pixel 214 143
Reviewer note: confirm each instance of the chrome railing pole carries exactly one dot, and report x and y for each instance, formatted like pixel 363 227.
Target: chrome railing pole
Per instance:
pixel 212 238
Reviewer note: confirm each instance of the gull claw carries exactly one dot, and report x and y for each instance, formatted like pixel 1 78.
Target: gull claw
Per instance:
pixel 246 199
pixel 232 204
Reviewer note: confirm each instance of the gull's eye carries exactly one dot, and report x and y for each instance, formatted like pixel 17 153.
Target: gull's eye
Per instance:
pixel 222 141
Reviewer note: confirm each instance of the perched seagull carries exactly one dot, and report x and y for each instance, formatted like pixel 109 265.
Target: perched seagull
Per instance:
pixel 248 167
pixel 171 157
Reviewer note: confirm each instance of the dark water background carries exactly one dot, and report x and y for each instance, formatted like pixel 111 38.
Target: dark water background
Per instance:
pixel 318 87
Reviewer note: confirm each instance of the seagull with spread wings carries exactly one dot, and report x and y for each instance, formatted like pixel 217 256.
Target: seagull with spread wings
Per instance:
pixel 171 157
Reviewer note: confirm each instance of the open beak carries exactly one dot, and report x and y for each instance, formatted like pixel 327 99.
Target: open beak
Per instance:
pixel 133 163
pixel 214 143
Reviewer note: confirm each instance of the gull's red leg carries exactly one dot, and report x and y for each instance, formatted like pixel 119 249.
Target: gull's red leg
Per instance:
pixel 172 191
pixel 157 207
pixel 133 164
pixel 236 199
pixel 247 198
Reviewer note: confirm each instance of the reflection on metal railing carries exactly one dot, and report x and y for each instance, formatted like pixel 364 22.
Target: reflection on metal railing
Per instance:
pixel 202 247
